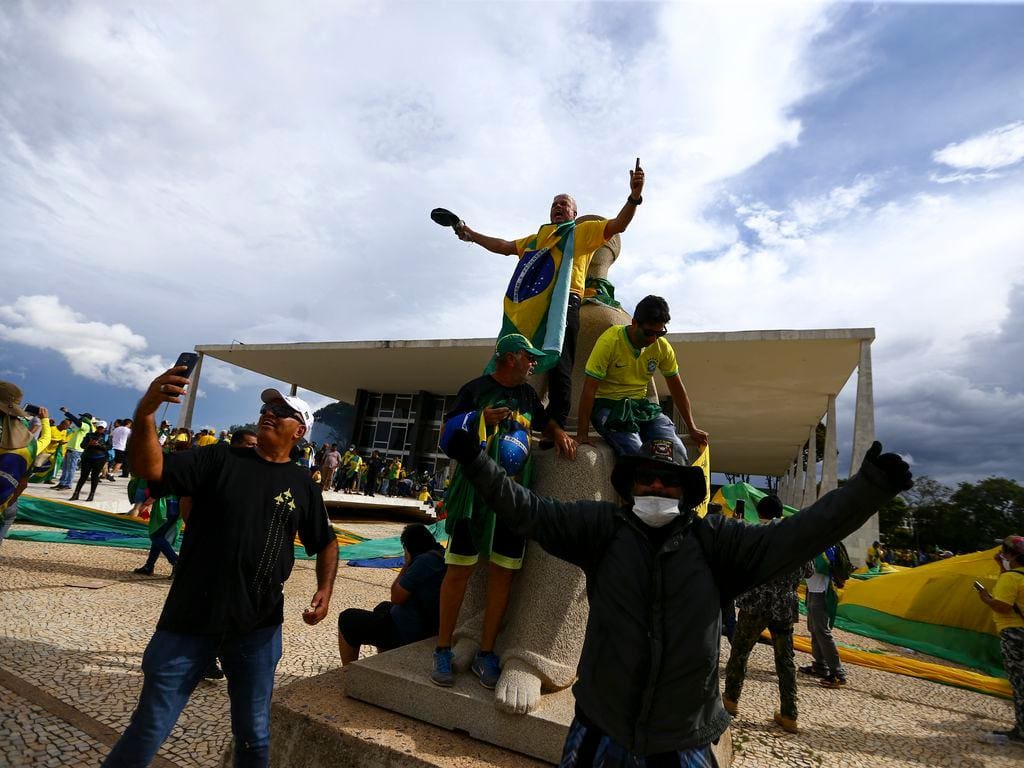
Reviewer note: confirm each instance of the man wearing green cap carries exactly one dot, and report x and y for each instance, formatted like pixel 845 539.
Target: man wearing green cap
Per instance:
pixel 499 409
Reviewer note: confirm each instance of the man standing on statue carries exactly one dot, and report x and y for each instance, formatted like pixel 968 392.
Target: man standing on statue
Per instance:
pixel 499 409
pixel 543 297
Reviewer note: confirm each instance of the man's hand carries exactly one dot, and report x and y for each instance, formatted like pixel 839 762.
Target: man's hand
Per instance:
pixel 699 435
pixel 565 445
pixel 317 607
pixel 463 232
pixel 463 447
pixel 493 415
pixel 168 387
pixel 896 470
pixel 636 181
pixel 43 413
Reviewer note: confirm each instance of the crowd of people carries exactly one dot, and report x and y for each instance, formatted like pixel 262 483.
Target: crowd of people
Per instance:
pixel 351 473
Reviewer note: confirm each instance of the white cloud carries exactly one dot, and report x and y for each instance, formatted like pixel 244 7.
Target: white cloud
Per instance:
pixel 999 148
pixel 108 353
pixel 232 152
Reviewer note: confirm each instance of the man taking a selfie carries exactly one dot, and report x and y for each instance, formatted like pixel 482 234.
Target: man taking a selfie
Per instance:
pixel 227 596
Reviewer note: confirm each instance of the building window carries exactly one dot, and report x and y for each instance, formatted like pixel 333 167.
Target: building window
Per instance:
pixel 397 441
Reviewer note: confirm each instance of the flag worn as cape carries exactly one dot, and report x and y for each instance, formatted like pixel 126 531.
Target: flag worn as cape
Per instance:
pixel 537 300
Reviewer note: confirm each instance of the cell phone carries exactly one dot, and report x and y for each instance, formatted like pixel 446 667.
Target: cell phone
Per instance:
pixel 188 359
pixel 32 410
pixel 741 505
pixel 979 586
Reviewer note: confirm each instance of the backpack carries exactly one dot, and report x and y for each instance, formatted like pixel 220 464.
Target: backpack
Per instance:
pixel 841 565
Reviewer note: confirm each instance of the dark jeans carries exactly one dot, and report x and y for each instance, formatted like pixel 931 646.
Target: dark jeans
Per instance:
pixel 174 663
pixel 91 466
pixel 560 377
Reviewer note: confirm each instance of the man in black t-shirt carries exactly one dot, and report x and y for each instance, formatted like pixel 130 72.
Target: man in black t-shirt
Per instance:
pixel 493 407
pixel 227 596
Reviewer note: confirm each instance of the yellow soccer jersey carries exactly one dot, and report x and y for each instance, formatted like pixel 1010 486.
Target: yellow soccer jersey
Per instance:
pixel 623 370
pixel 1009 589
pixel 588 238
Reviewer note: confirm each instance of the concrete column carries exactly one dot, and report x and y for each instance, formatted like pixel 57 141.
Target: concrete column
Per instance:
pixel 810 489
pixel 294 390
pixel 187 408
pixel 797 494
pixel 830 461
pixel 864 413
pixel 784 485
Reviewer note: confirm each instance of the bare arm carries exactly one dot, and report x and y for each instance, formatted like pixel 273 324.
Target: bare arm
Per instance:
pixel 996 605
pixel 682 403
pixel 585 409
pixel 564 444
pixel 400 594
pixel 636 187
pixel 144 453
pixel 492 244
pixel 326 570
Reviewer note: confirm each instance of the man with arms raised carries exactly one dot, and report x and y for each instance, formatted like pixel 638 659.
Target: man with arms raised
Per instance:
pixel 540 258
pixel 657 575
pixel 226 598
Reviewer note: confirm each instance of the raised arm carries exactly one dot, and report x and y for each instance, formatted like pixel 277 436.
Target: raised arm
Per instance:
pixel 492 244
pixel 744 556
pixel 144 453
pixel 636 187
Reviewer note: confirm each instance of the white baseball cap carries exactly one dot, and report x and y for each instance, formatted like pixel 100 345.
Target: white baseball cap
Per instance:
pixel 297 404
pixel 100 423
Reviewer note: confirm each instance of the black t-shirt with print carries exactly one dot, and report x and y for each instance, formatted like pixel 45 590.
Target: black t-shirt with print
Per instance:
pixel 238 546
pixel 488 391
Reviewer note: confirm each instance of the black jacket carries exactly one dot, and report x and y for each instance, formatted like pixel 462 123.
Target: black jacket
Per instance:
pixel 648 674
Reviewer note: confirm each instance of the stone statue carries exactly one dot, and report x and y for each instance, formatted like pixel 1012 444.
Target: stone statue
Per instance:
pixel 542 638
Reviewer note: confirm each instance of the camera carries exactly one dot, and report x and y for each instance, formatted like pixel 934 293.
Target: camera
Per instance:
pixel 32 410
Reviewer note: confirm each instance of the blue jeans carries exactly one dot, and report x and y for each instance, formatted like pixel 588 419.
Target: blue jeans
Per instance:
pixel 67 475
pixel 625 443
pixel 163 539
pixel 173 664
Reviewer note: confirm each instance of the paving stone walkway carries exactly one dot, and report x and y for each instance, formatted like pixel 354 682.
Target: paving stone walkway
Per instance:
pixel 70 656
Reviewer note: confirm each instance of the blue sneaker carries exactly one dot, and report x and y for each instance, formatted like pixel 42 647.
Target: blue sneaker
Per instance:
pixel 442 674
pixel 487 667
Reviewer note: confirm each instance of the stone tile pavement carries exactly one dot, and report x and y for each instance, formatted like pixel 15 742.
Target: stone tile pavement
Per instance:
pixel 70 655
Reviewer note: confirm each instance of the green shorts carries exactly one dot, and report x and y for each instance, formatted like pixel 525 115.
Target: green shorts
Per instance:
pixel 507 548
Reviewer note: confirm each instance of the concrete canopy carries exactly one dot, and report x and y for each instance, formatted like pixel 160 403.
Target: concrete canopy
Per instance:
pixel 755 392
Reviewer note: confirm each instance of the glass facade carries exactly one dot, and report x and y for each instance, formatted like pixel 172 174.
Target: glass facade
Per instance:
pixel 406 427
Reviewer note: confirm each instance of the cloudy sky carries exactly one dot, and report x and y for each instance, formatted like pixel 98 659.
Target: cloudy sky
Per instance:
pixel 177 174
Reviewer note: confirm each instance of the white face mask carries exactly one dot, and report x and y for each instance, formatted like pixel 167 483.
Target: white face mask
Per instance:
pixel 655 511
pixel 1004 561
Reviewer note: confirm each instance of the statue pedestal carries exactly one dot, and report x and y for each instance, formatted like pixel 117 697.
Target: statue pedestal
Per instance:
pixel 399 681
pixel 315 725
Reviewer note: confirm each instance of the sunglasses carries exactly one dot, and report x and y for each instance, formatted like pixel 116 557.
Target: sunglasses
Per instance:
pixel 667 477
pixel 653 334
pixel 280 410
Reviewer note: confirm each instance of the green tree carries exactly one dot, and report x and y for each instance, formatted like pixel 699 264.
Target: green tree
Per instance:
pixel 984 512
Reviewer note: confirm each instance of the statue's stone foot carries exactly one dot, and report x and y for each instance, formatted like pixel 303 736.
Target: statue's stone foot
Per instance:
pixel 465 649
pixel 518 689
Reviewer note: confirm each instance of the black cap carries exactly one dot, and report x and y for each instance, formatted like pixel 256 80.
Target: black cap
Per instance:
pixel 666 454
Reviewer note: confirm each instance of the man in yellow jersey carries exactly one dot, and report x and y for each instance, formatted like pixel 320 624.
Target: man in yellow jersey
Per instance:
pixel 529 282
pixel 614 397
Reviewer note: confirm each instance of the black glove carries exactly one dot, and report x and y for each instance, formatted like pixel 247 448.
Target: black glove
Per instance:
pixel 463 447
pixel 895 469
